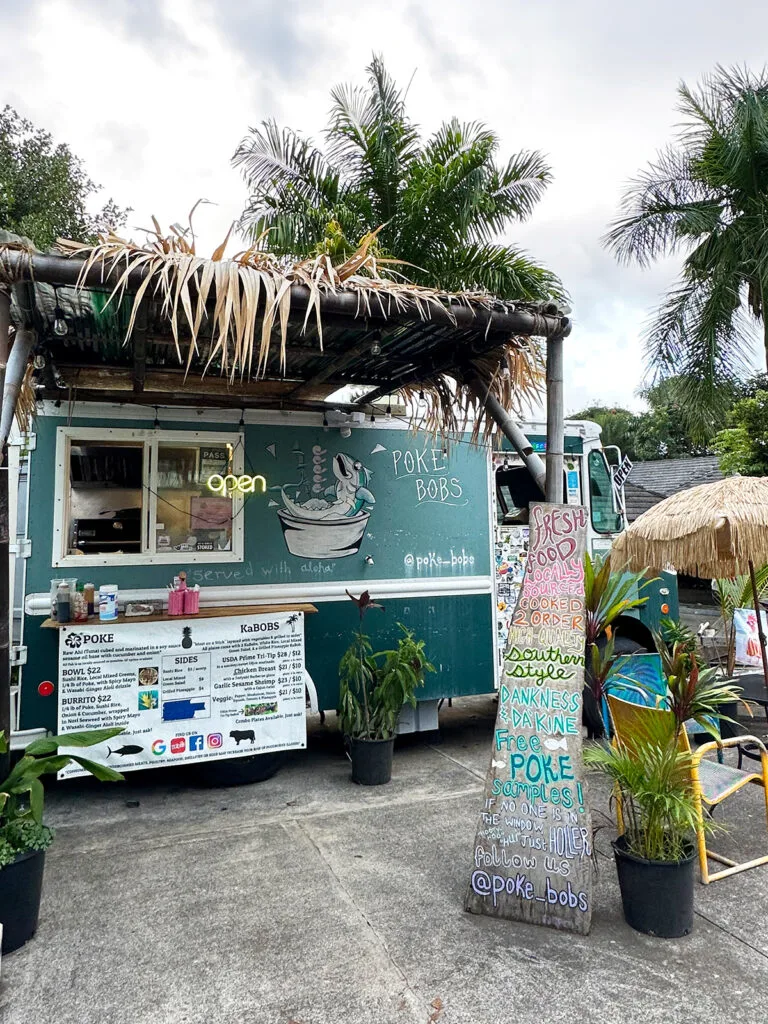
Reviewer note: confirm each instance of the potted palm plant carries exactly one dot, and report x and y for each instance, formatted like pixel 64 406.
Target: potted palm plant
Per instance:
pixel 24 837
pixel 374 686
pixel 649 764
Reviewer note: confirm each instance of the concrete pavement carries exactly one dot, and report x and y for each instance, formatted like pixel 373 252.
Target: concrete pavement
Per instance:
pixel 309 899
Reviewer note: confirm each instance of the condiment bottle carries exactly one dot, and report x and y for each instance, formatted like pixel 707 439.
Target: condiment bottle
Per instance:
pixel 89 591
pixel 62 603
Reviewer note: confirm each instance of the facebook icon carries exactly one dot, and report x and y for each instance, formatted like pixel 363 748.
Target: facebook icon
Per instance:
pixel 195 742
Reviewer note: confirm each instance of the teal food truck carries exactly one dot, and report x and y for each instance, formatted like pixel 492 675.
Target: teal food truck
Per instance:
pixel 277 497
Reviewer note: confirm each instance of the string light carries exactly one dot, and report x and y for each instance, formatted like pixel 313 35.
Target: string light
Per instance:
pixel 60 325
pixel 376 344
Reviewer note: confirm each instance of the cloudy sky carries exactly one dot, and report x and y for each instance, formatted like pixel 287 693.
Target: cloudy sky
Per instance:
pixel 154 95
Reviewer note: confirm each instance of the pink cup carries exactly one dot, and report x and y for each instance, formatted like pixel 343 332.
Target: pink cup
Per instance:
pixel 175 602
pixel 191 602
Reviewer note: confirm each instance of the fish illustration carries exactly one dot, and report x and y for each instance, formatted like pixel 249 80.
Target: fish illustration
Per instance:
pixel 551 744
pixel 497 764
pixel 129 748
pixel 350 493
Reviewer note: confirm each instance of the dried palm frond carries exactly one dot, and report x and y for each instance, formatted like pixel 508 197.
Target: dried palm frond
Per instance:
pixel 26 402
pixel 447 405
pixel 233 293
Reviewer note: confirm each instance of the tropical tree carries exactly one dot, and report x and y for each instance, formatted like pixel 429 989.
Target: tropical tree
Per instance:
pixel 706 196
pixel 44 187
pixel 440 204
pixel 743 446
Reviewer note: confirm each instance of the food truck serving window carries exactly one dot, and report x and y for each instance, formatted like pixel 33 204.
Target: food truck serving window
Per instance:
pixel 137 496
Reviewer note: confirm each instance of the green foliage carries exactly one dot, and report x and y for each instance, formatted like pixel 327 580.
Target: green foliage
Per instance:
pixel 44 188
pixel 659 433
pixel 440 203
pixel 651 781
pixel 707 197
pixel 374 686
pixel 22 794
pixel 743 447
pixel 693 692
pixel 732 594
pixel 608 595
pixel 675 633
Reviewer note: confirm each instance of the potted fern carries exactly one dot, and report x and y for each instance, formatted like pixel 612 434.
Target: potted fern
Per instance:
pixel 374 686
pixel 649 764
pixel 24 837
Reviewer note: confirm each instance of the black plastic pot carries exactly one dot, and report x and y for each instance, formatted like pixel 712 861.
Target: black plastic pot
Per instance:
pixel 371 761
pixel 657 895
pixel 21 885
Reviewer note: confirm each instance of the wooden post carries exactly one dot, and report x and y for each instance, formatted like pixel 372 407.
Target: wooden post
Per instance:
pixel 5 579
pixel 555 419
pixel 760 631
pixel 532 854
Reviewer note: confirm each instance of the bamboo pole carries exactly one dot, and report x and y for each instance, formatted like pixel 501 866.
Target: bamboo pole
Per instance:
pixel 760 632
pixel 555 419
pixel 5 577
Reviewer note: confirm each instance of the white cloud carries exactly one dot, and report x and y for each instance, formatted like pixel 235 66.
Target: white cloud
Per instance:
pixel 154 95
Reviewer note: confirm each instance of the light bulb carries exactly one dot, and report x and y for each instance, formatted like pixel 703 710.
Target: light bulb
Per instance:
pixel 60 325
pixel 376 344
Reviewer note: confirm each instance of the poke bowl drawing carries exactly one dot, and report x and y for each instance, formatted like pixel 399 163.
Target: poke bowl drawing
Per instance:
pixel 327 538
pixel 332 525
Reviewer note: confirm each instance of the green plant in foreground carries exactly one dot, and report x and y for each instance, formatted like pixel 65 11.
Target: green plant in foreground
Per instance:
pixel 693 692
pixel 652 780
pixel 608 595
pixel 375 685
pixel 22 795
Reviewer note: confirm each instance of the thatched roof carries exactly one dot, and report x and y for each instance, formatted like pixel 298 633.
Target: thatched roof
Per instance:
pixel 712 531
pixel 157 324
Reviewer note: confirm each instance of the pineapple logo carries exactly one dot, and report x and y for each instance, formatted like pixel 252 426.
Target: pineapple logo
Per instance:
pixel 186 642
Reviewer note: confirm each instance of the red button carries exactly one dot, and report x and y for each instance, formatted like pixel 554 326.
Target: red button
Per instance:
pixel 664 609
pixel 45 689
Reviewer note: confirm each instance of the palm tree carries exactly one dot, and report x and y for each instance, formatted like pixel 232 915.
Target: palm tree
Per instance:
pixel 440 204
pixel 707 196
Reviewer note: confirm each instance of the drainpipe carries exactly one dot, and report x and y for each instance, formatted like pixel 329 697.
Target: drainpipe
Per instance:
pixel 510 430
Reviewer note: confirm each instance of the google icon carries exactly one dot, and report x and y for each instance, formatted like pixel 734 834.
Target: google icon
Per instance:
pixel 158 747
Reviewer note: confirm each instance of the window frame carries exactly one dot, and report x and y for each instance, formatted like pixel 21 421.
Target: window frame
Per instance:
pixel 600 454
pixel 151 440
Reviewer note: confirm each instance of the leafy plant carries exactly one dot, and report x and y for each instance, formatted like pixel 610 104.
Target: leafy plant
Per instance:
pixel 651 781
pixel 440 204
pixel 375 685
pixel 608 595
pixel 693 692
pixel 706 196
pixel 44 189
pixel 673 633
pixel 730 595
pixel 22 794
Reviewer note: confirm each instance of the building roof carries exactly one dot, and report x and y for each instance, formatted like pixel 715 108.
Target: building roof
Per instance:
pixel 668 476
pixel 638 500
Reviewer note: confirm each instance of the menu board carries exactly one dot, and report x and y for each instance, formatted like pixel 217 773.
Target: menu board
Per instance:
pixel 185 690
pixel 533 846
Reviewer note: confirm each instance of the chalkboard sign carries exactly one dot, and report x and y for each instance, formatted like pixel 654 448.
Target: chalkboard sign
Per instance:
pixel 533 846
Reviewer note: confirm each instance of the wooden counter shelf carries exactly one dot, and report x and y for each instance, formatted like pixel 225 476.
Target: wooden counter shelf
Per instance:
pixel 204 613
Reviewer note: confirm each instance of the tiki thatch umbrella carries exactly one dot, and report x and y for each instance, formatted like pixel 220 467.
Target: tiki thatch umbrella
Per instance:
pixel 717 530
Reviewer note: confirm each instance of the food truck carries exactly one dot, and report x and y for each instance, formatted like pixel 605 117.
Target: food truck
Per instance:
pixel 227 519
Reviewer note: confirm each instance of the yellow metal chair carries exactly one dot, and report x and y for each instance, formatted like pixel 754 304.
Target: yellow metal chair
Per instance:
pixel 712 783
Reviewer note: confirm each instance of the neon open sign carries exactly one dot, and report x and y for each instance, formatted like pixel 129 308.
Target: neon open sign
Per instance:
pixel 231 484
